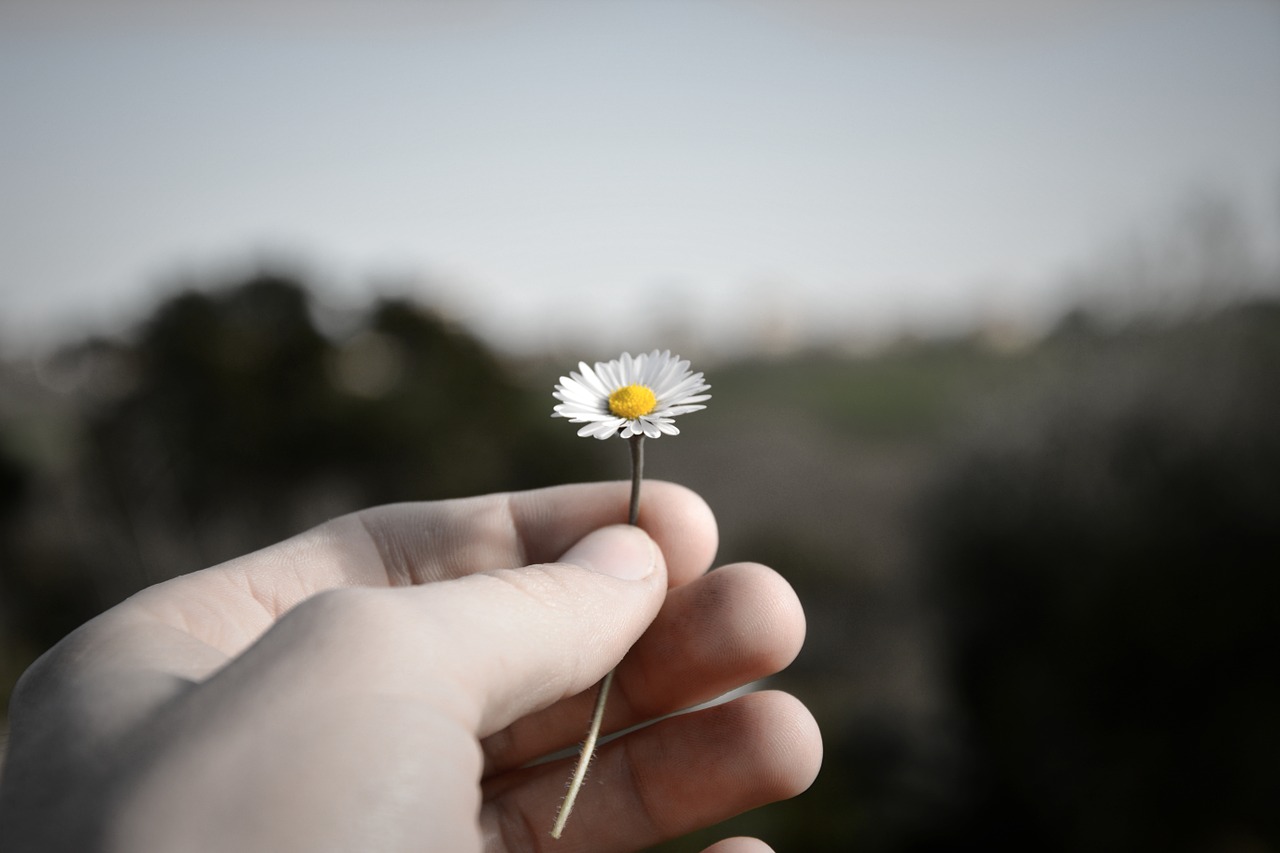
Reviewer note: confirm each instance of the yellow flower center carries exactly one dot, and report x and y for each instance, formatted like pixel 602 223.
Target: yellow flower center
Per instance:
pixel 632 401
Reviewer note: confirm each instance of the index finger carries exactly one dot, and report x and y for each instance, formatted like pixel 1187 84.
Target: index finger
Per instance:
pixel 515 529
pixel 229 605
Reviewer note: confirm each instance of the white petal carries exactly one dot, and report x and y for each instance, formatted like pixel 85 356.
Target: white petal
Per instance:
pixel 590 380
pixel 577 392
pixel 659 373
pixel 593 405
pixel 601 429
pixel 676 411
pixel 622 371
pixel 608 373
pixel 643 367
pixel 585 417
pixel 654 365
pixel 672 370
pixel 581 403
pixel 672 391
pixel 629 369
pixel 675 402
pixel 691 384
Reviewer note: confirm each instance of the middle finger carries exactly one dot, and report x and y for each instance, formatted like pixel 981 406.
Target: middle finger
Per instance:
pixel 725 629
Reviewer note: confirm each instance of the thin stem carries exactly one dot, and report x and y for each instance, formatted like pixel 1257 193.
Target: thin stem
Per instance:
pixel 597 717
pixel 637 473
pixel 584 758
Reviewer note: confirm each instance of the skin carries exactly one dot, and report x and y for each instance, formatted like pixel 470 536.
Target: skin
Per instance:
pixel 384 681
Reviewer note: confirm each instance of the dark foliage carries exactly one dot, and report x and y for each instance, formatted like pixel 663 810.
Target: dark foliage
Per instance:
pixel 1108 584
pixel 1070 648
pixel 230 421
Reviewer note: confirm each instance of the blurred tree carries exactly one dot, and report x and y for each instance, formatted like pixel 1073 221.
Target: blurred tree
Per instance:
pixel 14 483
pixel 1108 583
pixel 230 422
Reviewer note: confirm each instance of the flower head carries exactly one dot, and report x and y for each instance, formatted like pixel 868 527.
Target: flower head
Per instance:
pixel 630 396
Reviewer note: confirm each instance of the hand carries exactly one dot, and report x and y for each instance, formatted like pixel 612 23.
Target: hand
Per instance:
pixel 383 681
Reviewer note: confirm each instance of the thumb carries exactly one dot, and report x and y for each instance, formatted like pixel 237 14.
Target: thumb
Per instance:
pixel 525 638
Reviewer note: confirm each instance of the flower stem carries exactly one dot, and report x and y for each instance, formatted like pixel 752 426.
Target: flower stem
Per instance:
pixel 584 758
pixel 597 717
pixel 637 474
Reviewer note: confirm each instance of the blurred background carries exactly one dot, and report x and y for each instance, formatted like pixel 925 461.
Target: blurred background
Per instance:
pixel 988 294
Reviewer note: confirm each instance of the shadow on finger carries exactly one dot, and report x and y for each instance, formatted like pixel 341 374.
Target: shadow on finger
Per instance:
pixel 663 781
pixel 731 627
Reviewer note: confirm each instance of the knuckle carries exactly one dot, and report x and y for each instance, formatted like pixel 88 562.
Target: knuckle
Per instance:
pixel 357 616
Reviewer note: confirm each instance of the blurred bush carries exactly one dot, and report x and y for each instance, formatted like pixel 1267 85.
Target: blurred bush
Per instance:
pixel 1106 572
pixel 1040 582
pixel 229 420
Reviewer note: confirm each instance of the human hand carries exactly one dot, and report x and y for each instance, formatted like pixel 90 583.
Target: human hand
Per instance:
pixel 383 681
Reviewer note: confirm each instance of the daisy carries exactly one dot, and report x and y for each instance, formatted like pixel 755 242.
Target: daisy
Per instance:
pixel 630 397
pixel 634 398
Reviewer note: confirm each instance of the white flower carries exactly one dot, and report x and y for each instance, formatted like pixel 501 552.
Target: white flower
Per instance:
pixel 630 396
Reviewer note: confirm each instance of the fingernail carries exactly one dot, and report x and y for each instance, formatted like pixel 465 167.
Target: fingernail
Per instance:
pixel 621 551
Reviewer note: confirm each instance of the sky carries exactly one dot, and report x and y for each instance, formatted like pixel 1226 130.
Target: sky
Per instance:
pixel 739 173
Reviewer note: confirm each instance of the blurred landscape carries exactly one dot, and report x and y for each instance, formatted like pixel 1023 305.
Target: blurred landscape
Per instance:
pixel 988 294
pixel 1039 568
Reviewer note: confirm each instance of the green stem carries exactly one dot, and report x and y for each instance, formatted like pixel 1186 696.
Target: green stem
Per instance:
pixel 597 717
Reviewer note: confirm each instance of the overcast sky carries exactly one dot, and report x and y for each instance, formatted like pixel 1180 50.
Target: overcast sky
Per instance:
pixel 555 172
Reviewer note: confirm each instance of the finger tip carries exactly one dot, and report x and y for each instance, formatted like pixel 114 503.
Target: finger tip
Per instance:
pixel 778 621
pixel 683 524
pixel 793 750
pixel 619 550
pixel 739 845
pixel 749 618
